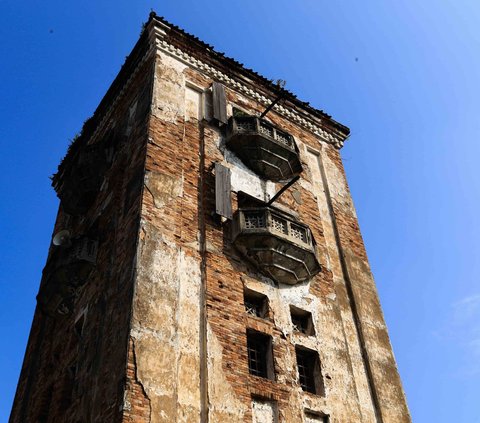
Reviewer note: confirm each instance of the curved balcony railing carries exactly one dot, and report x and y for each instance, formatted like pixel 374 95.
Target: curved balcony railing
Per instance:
pixel 67 270
pixel 264 148
pixel 279 246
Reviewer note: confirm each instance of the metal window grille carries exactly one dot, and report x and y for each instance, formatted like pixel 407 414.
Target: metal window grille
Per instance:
pixel 306 370
pixel 300 324
pixel 253 309
pixel 257 347
pixel 301 321
pixel 256 304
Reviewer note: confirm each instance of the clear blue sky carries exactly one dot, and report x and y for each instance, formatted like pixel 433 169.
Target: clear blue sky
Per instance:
pixel 403 75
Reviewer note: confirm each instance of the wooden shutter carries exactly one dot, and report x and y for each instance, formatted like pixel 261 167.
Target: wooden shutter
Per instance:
pixel 219 103
pixel 223 203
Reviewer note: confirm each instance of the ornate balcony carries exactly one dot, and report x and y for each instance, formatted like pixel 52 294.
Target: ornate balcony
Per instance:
pixel 264 148
pixel 67 269
pixel 280 247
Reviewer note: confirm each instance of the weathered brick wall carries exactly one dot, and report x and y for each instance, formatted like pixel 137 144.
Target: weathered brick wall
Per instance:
pixel 185 249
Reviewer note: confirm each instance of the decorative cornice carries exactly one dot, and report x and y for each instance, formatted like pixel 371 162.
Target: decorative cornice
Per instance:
pixel 121 93
pixel 234 84
pixel 102 117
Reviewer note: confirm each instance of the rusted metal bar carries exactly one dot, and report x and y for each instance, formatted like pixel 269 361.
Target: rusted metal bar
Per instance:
pixel 283 189
pixel 271 106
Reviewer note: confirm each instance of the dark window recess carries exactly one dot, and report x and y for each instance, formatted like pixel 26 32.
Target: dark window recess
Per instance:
pixel 256 304
pixel 309 374
pixel 302 321
pixel 260 358
pixel 312 417
pixel 239 113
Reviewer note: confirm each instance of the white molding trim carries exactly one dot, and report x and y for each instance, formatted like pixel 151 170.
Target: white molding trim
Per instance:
pixel 205 68
pixel 233 84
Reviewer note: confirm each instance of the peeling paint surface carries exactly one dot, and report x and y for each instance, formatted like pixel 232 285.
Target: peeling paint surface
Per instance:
pixel 345 379
pixel 224 404
pixel 169 89
pixel 169 283
pixel 264 412
pixel 163 188
pixel 243 179
pixel 166 341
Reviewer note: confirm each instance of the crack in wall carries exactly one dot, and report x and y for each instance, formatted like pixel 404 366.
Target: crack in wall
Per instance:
pixel 137 380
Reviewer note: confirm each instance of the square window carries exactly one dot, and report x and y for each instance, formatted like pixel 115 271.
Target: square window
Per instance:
pixel 260 356
pixel 302 321
pixel 309 375
pixel 256 304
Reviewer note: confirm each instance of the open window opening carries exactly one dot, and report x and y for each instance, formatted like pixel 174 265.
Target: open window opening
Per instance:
pixel 314 417
pixel 260 355
pixel 309 373
pixel 256 304
pixel 302 321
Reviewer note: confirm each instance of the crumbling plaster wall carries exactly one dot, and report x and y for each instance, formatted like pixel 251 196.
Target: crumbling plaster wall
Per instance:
pixel 166 309
pixel 364 301
pixel 177 223
pixel 345 318
pixel 165 336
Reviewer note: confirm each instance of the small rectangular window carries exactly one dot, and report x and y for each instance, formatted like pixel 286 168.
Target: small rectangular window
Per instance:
pixel 311 417
pixel 302 321
pixel 260 357
pixel 256 304
pixel 309 374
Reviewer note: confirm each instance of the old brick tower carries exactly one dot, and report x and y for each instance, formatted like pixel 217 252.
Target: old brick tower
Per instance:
pixel 206 264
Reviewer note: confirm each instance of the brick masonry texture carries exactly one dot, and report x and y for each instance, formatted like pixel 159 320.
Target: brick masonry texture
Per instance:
pixel 165 328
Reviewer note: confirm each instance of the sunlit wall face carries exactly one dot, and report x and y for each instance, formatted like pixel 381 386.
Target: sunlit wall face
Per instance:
pixel 403 76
